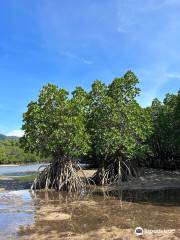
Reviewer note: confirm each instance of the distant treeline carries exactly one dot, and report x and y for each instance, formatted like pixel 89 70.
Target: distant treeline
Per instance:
pixel 10 152
pixel 161 125
pixel 163 144
pixel 4 137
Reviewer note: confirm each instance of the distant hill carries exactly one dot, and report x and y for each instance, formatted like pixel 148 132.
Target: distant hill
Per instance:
pixel 4 137
pixel 11 152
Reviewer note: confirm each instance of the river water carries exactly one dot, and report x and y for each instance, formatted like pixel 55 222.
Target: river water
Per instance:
pixel 19 170
pixel 96 215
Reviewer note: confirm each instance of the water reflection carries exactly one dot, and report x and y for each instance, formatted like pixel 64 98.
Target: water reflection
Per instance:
pixel 165 197
pixel 16 209
pixel 63 214
pixel 45 214
pixel 19 169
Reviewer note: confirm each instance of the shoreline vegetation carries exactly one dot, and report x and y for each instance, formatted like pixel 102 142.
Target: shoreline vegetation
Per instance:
pixel 105 127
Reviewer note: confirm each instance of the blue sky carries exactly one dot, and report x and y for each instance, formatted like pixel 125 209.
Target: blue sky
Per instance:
pixel 74 42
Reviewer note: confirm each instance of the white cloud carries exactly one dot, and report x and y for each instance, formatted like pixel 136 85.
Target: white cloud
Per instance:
pixel 172 75
pixel 154 80
pixel 154 35
pixel 126 18
pixel 81 59
pixel 17 133
pixel 165 3
pixel 125 27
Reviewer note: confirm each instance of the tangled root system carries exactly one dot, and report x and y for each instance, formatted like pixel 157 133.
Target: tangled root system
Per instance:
pixel 111 173
pixel 61 175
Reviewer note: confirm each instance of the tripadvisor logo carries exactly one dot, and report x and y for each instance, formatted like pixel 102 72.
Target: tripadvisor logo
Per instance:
pixel 139 231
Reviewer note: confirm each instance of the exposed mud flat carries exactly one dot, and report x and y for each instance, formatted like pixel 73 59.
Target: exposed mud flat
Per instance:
pixel 113 233
pixel 152 179
pixel 60 216
pixel 151 201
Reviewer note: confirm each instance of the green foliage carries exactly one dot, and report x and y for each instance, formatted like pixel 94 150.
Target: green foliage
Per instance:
pixel 10 152
pixel 117 124
pixel 165 139
pixel 99 119
pixel 54 125
pixel 4 137
pixel 104 124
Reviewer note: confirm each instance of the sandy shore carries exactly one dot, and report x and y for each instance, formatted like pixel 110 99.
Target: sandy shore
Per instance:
pixel 149 179
pixel 21 164
pixel 111 233
pixel 9 165
pixel 56 218
pixel 67 222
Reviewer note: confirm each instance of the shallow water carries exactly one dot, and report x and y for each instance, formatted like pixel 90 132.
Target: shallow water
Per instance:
pixel 24 214
pixel 16 209
pixel 54 215
pixel 19 170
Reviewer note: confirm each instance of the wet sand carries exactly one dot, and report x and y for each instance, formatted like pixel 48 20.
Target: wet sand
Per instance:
pixel 152 202
pixel 9 165
pixel 111 233
pixel 100 217
pixel 149 179
pixel 153 179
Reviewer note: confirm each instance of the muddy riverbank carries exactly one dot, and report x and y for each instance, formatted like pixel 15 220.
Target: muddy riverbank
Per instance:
pixel 103 216
pixel 151 201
